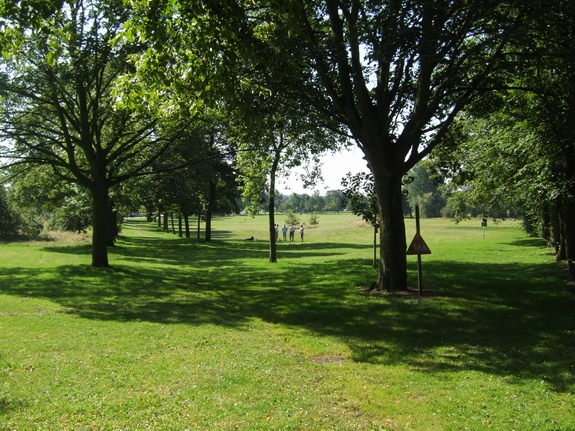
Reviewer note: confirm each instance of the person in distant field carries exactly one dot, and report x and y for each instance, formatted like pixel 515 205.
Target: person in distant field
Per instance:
pixel 277 231
pixel 284 232
pixel 291 232
pixel 301 232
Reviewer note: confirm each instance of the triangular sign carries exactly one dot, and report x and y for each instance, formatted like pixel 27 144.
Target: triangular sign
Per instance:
pixel 418 246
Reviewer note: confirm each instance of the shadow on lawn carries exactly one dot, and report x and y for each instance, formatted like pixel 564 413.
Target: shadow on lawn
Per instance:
pixel 511 320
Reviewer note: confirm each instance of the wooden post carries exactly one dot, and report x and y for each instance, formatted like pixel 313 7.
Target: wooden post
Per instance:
pixel 419 277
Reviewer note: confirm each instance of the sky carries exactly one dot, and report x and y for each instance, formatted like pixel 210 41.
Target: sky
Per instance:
pixel 335 167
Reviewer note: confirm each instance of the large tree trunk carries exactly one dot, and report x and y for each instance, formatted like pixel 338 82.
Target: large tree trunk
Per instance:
pixel 187 224
pixel 393 264
pixel 100 227
pixel 149 214
pixel 272 229
pixel 546 223
pixel 271 207
pixel 557 239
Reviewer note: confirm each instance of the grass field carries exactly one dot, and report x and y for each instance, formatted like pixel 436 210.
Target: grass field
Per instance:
pixel 184 335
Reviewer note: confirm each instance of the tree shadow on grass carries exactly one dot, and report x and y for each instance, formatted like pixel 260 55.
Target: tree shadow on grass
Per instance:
pixel 8 405
pixel 85 250
pixel 511 320
pixel 216 249
pixel 528 242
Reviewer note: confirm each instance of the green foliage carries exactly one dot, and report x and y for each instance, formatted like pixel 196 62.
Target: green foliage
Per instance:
pixel 256 170
pixel 314 218
pixel 333 200
pixel 392 75
pixel 295 202
pixel 8 225
pixel 42 201
pixel 74 214
pixel 512 154
pixel 315 203
pixel 491 168
pixel 457 208
pixel 61 109
pixel 292 218
pixel 360 196
pixel 421 190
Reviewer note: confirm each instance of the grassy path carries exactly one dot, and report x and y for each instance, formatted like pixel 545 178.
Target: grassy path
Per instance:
pixel 184 335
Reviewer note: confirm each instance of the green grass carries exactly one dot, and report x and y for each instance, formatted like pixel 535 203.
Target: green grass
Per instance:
pixel 184 335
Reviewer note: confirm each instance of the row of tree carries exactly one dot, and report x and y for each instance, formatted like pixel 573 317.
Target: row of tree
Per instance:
pixel 82 107
pixel 422 187
pixel 34 202
pixel 122 99
pixel 515 148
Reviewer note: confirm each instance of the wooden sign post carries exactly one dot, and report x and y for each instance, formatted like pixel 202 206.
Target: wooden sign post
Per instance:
pixel 418 247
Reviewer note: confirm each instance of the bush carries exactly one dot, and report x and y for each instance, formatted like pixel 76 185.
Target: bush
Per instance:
pixel 314 219
pixel 292 218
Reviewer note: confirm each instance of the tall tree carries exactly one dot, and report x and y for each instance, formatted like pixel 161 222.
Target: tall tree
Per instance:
pixel 549 73
pixel 8 223
pixel 59 107
pixel 516 151
pixel 280 140
pixel 190 51
pixel 396 73
pixel 333 200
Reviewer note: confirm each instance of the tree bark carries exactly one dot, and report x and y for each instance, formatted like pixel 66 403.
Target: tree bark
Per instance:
pixel 149 215
pixel 187 224
pixel 100 226
pixel 271 207
pixel 393 264
pixel 546 223
pixel 180 232
pixel 556 240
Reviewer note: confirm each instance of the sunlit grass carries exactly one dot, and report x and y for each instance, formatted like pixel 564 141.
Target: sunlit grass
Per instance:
pixel 181 334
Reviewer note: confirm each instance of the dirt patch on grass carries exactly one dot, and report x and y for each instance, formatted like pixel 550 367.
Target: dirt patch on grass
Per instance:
pixel 360 223
pixel 329 359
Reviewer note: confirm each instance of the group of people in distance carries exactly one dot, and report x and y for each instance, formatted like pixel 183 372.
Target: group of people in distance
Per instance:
pixel 291 230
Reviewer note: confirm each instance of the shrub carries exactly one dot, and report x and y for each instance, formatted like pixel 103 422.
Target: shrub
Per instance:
pixel 292 218
pixel 314 218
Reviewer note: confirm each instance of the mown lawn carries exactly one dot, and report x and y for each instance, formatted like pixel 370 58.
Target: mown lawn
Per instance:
pixel 184 335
